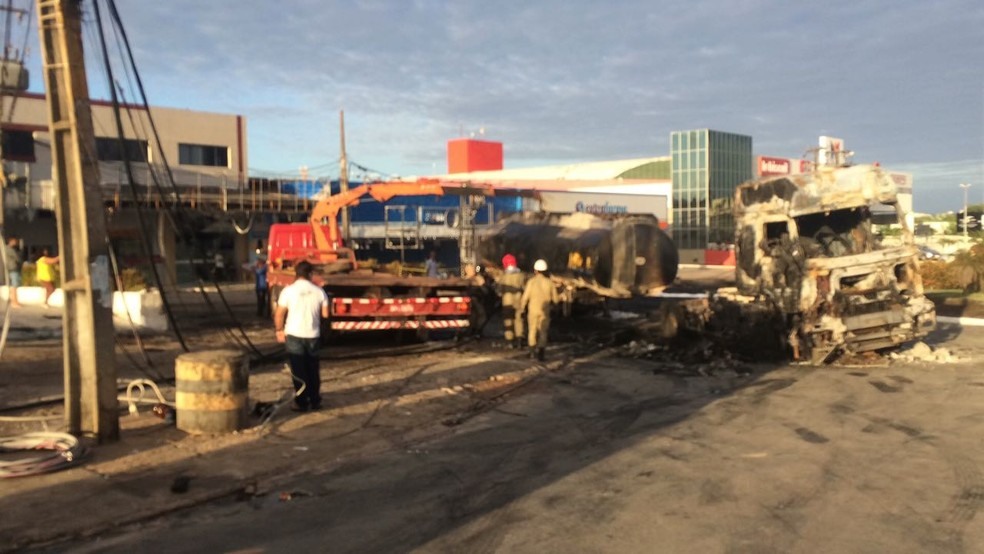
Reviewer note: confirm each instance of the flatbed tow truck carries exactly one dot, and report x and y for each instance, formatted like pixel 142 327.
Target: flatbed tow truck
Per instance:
pixel 361 299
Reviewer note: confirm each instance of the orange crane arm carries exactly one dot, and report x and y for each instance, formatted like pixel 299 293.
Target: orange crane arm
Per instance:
pixel 328 208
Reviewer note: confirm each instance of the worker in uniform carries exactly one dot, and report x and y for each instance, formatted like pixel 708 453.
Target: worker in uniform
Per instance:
pixel 510 289
pixel 538 295
pixel 301 307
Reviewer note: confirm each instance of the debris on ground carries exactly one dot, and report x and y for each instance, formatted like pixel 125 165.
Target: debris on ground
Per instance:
pixel 287 496
pixel 861 359
pixel 922 352
pixel 180 484
pixel 701 357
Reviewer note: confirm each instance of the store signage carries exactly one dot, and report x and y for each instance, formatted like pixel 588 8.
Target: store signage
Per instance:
pixel 605 208
pixel 773 166
pixel 566 202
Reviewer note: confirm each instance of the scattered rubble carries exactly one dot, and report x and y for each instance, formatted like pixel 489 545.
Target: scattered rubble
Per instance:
pixel 922 352
pixel 704 358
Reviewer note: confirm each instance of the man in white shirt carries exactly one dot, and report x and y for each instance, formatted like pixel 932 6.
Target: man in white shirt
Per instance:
pixel 300 308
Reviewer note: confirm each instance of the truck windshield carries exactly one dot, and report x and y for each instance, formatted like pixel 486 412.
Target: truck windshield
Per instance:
pixel 837 232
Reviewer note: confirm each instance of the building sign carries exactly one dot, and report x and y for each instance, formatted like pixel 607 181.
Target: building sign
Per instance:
pixel 972 221
pixel 831 151
pixel 603 203
pixel 605 208
pixel 903 182
pixel 768 166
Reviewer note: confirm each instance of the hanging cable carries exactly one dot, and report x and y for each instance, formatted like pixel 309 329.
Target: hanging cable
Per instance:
pixel 245 342
pixel 151 371
pixel 114 13
pixel 239 229
pixel 133 187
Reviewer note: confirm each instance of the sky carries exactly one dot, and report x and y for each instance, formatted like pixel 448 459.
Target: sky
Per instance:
pixel 567 81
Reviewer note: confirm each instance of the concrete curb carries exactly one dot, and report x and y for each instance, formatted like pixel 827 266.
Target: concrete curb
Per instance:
pixel 962 321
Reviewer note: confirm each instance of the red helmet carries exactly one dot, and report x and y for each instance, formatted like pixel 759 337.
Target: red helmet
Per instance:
pixel 508 261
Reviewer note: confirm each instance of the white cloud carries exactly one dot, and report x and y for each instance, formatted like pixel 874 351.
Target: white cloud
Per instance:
pixel 571 80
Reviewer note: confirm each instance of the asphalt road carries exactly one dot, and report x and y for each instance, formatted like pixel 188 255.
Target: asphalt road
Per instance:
pixel 631 455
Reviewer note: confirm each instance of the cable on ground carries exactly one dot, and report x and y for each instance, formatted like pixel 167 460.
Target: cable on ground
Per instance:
pixel 141 385
pixel 61 452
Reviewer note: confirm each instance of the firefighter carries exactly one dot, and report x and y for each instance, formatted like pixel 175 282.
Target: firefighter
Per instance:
pixel 537 298
pixel 510 288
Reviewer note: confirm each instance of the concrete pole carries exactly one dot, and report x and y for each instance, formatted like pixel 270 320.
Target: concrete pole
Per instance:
pixel 965 187
pixel 91 407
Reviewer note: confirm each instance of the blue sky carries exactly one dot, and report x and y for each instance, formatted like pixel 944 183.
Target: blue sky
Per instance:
pixel 562 81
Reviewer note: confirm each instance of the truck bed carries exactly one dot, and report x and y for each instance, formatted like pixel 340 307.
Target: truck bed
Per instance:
pixel 359 279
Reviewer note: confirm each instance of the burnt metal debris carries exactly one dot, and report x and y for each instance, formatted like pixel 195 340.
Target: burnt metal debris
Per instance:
pixel 813 280
pixel 805 247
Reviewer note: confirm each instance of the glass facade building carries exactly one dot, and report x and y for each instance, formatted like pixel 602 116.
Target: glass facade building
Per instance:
pixel 706 167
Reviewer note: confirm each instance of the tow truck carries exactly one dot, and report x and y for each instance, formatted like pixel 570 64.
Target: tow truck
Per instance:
pixel 361 299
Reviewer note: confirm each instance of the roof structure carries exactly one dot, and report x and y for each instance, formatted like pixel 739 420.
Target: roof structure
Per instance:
pixel 589 171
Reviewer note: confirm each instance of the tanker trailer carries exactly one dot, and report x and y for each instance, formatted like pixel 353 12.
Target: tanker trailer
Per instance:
pixel 614 256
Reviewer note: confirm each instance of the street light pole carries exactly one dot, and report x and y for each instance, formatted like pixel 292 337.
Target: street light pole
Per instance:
pixel 965 187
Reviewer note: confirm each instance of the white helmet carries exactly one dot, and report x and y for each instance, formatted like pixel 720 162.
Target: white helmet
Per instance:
pixel 540 265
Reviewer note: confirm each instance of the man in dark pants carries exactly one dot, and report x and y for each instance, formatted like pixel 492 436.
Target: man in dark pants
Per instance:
pixel 262 288
pixel 300 308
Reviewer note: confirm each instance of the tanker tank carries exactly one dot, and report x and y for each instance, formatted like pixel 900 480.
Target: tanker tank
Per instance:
pixel 616 256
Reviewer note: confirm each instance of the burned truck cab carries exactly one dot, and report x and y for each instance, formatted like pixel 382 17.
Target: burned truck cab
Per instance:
pixel 805 245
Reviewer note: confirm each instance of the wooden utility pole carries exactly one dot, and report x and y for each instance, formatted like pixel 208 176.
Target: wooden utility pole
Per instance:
pixel 343 178
pixel 91 407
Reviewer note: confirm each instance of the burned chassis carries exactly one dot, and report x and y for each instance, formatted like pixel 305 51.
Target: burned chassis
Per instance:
pixel 805 247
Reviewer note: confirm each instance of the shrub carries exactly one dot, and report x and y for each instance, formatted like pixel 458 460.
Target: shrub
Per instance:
pixel 968 267
pixel 133 279
pixel 938 275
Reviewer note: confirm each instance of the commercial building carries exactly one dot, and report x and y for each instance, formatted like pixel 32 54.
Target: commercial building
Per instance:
pixel 697 181
pixel 638 185
pixel 202 148
pixel 206 154
pixel 707 167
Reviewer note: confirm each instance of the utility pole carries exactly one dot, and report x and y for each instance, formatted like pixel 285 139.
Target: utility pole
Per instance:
pixel 965 186
pixel 343 178
pixel 91 407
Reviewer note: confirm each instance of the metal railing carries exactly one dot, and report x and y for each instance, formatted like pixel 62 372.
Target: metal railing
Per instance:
pixel 195 190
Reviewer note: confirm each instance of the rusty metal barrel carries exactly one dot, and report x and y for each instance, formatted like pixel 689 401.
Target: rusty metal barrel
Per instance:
pixel 212 390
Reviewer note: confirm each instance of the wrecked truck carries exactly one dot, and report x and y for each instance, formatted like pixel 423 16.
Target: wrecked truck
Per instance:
pixel 811 274
pixel 806 249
